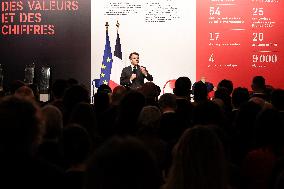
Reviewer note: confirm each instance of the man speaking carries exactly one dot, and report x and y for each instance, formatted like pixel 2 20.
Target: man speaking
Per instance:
pixel 133 75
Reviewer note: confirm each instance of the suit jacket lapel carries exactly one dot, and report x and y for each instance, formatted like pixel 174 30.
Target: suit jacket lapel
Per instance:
pixel 129 70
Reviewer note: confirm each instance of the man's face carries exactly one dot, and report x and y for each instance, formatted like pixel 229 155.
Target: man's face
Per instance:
pixel 134 59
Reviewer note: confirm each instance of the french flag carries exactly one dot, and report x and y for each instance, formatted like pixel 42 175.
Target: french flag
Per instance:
pixel 117 64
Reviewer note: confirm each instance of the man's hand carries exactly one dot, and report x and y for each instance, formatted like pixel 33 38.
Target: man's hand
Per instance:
pixel 143 70
pixel 133 76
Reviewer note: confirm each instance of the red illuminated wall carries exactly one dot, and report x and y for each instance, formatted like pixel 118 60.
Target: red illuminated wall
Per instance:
pixel 238 39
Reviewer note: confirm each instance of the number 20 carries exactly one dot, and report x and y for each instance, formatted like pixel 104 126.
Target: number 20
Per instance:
pixel 258 37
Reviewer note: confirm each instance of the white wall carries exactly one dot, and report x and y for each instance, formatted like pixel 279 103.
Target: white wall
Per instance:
pixel 167 49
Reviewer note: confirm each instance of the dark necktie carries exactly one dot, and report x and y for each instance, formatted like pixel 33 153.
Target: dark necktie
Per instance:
pixel 134 70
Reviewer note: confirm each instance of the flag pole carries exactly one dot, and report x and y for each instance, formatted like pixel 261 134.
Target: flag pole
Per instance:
pixel 97 82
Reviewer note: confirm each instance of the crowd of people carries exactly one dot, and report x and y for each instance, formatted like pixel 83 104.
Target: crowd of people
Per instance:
pixel 142 139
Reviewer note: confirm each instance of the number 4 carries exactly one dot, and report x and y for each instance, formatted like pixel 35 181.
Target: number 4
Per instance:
pixel 211 59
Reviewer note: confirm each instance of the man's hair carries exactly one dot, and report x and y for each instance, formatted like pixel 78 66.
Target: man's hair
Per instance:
pixel 182 86
pixel 122 162
pixel 59 87
pixel 132 54
pixel 259 82
pixel 228 84
pixel 168 100
pixel 103 88
pixel 239 96
pixel 20 125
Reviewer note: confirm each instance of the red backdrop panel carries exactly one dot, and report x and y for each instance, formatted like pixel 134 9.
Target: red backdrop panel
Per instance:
pixel 238 39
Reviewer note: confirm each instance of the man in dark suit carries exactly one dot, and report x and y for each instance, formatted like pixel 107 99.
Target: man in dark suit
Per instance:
pixel 133 76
